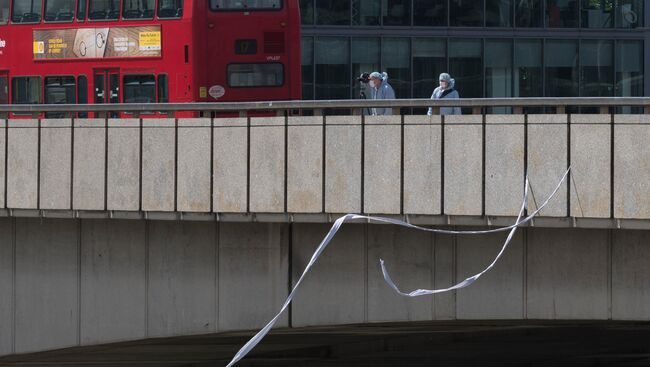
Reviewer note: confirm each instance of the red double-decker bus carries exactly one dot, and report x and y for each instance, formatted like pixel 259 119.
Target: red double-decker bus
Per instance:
pixel 144 51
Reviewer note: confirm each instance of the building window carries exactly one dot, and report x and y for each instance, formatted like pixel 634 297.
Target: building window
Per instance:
pixel 498 68
pixel 4 11
pixel 170 8
pixel 307 49
pixel 59 10
pixel 561 60
pixel 466 66
pixel 138 9
pixel 396 12
pixel 629 14
pixel 163 88
pixel 629 68
pixel 333 12
pixel 562 13
pixel 528 68
pixel 103 9
pixel 528 13
pixel 139 89
pixel 255 75
pixel 597 13
pixel 498 13
pixel 596 68
pixel 365 12
pixel 365 59
pixel 430 13
pixel 332 68
pixel 466 13
pixel 26 11
pixel 307 12
pixel 26 90
pixel 396 62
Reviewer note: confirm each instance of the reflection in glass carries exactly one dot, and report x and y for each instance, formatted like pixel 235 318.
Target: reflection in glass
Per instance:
pixel 562 13
pixel 307 49
pixel 561 58
pixel 629 14
pixel 332 68
pixel 396 62
pixel 597 68
pixel 365 59
pixel 466 13
pixel 498 13
pixel 430 13
pixel 307 11
pixel 629 68
pixel 528 13
pixel 396 12
pixel 429 61
pixel 333 12
pixel 365 12
pixel 597 13
pixel 498 70
pixel 466 66
pixel 528 68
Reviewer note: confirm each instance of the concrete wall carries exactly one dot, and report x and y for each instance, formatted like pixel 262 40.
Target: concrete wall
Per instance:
pixel 74 282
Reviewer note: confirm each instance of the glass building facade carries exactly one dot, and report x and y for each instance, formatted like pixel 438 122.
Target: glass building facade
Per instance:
pixel 493 48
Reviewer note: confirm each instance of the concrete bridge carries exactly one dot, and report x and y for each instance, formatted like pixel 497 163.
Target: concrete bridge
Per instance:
pixel 194 231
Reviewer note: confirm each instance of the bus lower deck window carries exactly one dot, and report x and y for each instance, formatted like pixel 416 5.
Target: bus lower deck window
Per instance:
pixel 256 75
pixel 163 89
pixel 59 90
pixel 26 11
pixel 26 90
pixel 245 5
pixel 139 89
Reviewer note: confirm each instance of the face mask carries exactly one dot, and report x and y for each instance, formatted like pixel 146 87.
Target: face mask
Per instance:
pixel 371 84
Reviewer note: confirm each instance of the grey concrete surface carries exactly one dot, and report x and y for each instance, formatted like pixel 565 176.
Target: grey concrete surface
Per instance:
pixel 409 259
pixel 47 284
pixel 631 275
pixel 591 144
pixel 6 286
pixel 194 166
pixel 123 173
pixel 305 165
pixel 253 276
pixel 182 290
pixel 444 275
pixel 632 167
pixel 498 294
pixel 56 164
pixel 567 274
pixel 330 296
pixel 463 165
pixel 504 164
pixel 382 165
pixel 22 164
pixel 230 165
pixel 267 165
pixel 112 280
pixel 422 164
pixel 89 164
pixel 158 164
pixel 3 142
pixel 547 162
pixel 343 164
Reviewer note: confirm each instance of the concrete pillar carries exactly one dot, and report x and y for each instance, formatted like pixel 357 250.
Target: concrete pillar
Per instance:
pixel 567 274
pixel 6 286
pixel 632 167
pixel 463 165
pixel 444 276
pixel 253 274
pixel 305 165
pixel 56 164
pixel 504 164
pixel 590 165
pixel 123 174
pixel 113 279
pixel 158 164
pixel 182 278
pixel 422 164
pixel 334 291
pixel 22 164
pixel 194 166
pixel 343 164
pixel 499 294
pixel 547 162
pixel 409 258
pixel 267 165
pixel 47 284
pixel 631 275
pixel 382 165
pixel 89 164
pixel 230 165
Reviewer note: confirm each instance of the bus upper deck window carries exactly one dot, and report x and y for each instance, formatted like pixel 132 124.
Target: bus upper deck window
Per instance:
pixel 4 9
pixel 103 9
pixel 170 8
pixel 26 11
pixel 138 9
pixel 248 5
pixel 81 10
pixel 59 10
